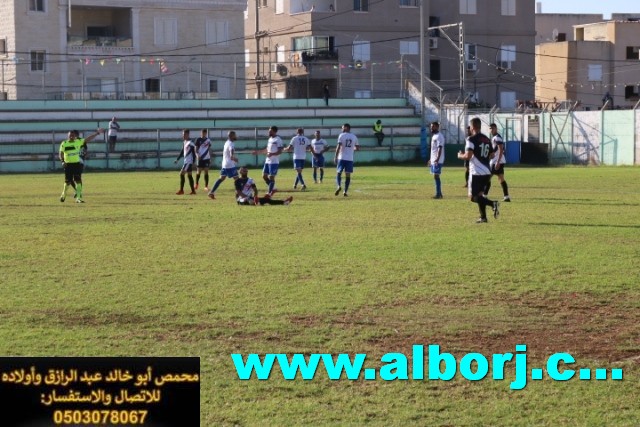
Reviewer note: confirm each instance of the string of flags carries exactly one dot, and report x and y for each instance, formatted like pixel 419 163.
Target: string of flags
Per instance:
pixel 164 69
pixel 358 65
pixel 592 85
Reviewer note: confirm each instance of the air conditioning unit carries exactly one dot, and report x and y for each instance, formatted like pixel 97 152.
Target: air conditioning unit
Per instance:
pixel 472 66
pixel 433 43
pixel 504 65
pixel 280 69
pixel 3 96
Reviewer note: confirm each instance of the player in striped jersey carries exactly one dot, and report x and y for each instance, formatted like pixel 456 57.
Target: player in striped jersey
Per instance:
pixel 203 153
pixel 247 192
pixel 479 151
pixel 189 153
pixel 498 161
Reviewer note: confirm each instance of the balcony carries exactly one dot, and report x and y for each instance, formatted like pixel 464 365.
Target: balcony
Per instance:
pixel 306 6
pixel 110 33
pixel 323 55
pixel 99 44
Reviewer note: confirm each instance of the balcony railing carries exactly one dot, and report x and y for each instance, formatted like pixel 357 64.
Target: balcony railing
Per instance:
pixel 80 41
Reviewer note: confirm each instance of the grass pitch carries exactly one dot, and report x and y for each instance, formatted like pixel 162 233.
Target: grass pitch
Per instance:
pixel 139 271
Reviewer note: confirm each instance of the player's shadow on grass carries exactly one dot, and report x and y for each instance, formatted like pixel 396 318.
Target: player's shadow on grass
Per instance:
pixel 566 224
pixel 588 202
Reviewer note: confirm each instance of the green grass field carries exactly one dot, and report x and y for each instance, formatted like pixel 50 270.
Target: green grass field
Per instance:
pixel 139 271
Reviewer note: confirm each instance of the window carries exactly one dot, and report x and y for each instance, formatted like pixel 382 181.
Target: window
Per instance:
pixel 434 69
pixel 408 3
pixel 313 45
pixel 152 85
pixel 279 6
pixel 595 72
pixel 361 5
pixel 471 60
pixel 508 7
pixel 507 100
pixel 470 51
pixel 101 86
pixel 434 21
pixel 213 86
pixel 36 5
pixel 507 56
pixel 38 60
pixel 631 92
pixel 361 51
pixel 247 57
pixel 468 7
pixel 3 46
pixel 166 32
pixel 262 3
pixel 217 32
pixel 93 85
pixel 362 94
pixel 633 52
pixel 408 47
pixel 280 56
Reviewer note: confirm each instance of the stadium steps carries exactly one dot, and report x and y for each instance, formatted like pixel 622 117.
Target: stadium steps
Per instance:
pixel 31 131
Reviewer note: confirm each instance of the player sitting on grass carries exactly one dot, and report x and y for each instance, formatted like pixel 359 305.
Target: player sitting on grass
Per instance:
pixel 247 192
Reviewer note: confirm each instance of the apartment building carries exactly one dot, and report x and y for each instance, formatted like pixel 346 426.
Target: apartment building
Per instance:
pixel 121 49
pixel 602 63
pixel 365 49
pixel 558 27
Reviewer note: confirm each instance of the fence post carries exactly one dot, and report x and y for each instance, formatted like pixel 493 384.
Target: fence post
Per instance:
pixel 106 148
pixel 391 148
pixel 635 134
pixel 53 146
pixel 158 146
pixel 255 131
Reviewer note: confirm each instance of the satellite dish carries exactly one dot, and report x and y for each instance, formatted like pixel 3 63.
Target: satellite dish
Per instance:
pixel 554 35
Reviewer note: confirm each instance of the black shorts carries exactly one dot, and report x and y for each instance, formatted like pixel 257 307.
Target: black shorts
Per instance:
pixel 188 167
pixel 497 169
pixel 204 163
pixel 73 171
pixel 113 138
pixel 478 184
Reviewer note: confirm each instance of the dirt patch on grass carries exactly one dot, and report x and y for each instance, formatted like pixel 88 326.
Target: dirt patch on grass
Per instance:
pixel 588 327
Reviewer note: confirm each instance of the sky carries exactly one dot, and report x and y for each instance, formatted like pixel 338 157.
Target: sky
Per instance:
pixel 605 7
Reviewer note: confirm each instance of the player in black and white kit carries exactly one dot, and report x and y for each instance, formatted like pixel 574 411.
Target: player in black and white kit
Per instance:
pixel 203 152
pixel 479 151
pixel 247 192
pixel 189 153
pixel 497 162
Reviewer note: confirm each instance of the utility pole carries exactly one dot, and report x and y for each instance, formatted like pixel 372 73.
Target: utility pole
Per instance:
pixel 258 34
pixel 459 46
pixel 257 38
pixel 462 64
pixel 422 112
